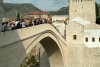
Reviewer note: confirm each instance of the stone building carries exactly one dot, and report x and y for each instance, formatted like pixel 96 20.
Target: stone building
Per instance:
pixel 38 15
pixel 83 8
pixel 82 25
pixel 83 34
pixel 59 17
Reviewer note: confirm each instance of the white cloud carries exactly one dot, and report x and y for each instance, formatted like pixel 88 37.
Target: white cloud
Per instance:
pixel 50 4
pixel 44 4
pixel 17 1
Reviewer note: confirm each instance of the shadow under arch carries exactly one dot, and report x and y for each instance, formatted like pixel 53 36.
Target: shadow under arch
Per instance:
pixel 55 61
pixel 53 53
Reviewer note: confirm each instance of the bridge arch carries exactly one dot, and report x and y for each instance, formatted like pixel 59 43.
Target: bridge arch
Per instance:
pixel 48 41
pixel 53 51
pixel 52 45
pixel 22 42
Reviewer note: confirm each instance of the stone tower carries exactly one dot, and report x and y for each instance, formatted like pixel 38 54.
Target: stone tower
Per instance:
pixel 1 13
pixel 82 8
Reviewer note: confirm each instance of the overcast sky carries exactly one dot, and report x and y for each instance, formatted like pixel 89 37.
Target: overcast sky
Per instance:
pixel 45 5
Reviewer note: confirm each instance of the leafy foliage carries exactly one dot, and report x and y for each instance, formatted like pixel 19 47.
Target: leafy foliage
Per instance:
pixel 97 13
pixel 97 10
pixel 31 60
pixel 18 16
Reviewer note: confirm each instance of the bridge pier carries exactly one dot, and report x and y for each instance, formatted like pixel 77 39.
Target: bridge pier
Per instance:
pixel 77 56
pixel 44 60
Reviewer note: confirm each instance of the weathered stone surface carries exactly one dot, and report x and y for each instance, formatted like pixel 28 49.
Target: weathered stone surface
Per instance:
pixel 84 9
pixel 1 13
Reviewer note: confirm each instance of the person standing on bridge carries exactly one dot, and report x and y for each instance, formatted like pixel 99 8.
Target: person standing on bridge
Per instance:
pixel 23 23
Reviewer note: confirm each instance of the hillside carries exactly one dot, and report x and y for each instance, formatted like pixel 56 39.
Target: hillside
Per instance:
pixel 62 11
pixel 11 9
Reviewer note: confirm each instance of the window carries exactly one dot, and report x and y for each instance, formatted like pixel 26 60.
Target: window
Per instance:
pixel 72 0
pixel 75 10
pixel 74 37
pixel 99 39
pixel 93 39
pixel 86 39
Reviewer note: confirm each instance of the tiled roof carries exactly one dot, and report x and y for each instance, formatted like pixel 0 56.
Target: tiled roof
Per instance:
pixel 92 26
pixel 38 13
pixel 81 21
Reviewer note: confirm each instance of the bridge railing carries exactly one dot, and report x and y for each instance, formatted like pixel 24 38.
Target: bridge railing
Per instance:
pixel 13 36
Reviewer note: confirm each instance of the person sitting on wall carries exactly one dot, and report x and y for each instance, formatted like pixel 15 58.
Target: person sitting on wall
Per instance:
pixel 30 23
pixel 18 25
pixel 3 26
pixel 13 25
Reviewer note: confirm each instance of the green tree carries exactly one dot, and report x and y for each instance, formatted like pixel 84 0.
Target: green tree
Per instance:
pixel 97 14
pixel 21 17
pixel 97 10
pixel 18 16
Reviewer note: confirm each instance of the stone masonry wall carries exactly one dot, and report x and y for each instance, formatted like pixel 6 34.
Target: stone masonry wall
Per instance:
pixel 84 9
pixel 94 57
pixel 74 29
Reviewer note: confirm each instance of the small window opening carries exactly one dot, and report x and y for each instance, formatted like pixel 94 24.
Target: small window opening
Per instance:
pixel 99 39
pixel 74 37
pixel 86 39
pixel 75 10
pixel 93 39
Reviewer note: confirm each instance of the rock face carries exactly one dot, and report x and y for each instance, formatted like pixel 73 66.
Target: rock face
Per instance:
pixel 11 9
pixel 1 13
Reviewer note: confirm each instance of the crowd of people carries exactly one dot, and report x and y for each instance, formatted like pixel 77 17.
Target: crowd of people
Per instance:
pixel 17 24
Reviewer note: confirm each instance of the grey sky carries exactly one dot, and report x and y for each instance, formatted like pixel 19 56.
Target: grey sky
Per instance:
pixel 46 5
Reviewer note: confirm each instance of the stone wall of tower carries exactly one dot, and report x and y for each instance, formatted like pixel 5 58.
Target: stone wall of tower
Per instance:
pixel 1 13
pixel 84 9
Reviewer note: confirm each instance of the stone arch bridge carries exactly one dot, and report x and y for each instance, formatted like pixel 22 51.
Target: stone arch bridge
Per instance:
pixel 15 45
